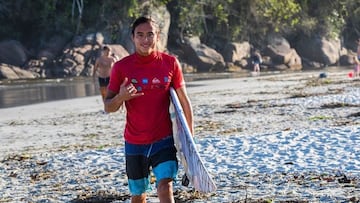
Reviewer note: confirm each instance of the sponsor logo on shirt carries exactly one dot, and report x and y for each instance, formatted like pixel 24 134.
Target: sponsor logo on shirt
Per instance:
pixel 134 81
pixel 155 81
pixel 145 81
pixel 151 84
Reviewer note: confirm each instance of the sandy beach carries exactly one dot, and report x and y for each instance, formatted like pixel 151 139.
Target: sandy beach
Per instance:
pixel 290 137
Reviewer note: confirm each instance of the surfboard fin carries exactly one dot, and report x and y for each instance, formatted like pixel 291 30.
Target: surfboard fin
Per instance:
pixel 185 180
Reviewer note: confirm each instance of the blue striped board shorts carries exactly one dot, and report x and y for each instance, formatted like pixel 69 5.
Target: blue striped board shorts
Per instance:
pixel 160 156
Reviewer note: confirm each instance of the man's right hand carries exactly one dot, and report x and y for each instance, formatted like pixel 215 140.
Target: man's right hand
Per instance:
pixel 128 91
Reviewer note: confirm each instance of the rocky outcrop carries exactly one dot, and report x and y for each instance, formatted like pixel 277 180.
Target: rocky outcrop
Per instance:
pixel 234 52
pixel 75 61
pixel 280 52
pixel 78 58
pixel 204 58
pixel 59 57
pixel 319 49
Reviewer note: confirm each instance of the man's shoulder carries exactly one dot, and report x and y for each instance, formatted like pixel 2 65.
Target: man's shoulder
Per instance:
pixel 167 56
pixel 126 59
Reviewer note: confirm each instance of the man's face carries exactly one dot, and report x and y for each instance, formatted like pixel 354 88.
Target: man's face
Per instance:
pixel 106 52
pixel 145 38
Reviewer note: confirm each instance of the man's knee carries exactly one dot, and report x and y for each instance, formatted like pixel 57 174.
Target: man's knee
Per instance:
pixel 165 186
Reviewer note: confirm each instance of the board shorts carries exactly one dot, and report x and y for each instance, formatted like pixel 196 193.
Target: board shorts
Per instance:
pixel 103 82
pixel 160 156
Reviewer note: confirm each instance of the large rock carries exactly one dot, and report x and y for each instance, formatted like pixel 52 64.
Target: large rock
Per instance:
pixel 13 52
pixel 284 55
pixel 24 74
pixel 276 40
pixel 281 53
pixel 78 61
pixel 204 58
pixel 235 52
pixel 319 49
pixel 14 72
pixel 7 72
pixel 118 50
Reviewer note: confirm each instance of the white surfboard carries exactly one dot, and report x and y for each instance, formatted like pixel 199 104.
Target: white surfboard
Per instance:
pixel 189 156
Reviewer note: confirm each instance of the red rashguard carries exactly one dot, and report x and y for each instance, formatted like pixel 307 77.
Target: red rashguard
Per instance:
pixel 147 118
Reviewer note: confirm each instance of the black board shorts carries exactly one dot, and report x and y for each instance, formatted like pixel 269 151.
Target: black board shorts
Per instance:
pixel 103 82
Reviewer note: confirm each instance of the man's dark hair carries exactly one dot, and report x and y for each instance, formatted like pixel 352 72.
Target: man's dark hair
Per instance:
pixel 106 48
pixel 142 20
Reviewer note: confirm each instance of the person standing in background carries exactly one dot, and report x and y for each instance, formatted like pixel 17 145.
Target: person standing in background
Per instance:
pixel 356 73
pixel 256 61
pixel 102 69
pixel 142 82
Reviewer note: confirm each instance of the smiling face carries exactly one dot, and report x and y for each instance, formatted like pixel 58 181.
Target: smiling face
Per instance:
pixel 145 37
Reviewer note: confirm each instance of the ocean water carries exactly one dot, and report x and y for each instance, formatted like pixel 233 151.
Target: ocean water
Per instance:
pixel 25 92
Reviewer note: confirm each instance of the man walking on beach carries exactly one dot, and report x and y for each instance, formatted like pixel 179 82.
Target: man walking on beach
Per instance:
pixel 102 68
pixel 142 82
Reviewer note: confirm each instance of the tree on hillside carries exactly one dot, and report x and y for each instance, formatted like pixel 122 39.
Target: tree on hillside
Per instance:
pixel 215 21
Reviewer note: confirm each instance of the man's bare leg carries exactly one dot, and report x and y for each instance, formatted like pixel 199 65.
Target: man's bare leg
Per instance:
pixel 139 198
pixel 165 191
pixel 103 92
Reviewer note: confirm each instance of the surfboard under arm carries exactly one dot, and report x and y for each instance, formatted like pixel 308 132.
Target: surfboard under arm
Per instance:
pixel 189 156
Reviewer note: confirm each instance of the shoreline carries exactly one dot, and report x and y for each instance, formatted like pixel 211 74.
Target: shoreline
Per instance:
pixel 26 92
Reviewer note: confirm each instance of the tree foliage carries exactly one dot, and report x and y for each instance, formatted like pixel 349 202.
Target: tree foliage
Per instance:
pixel 277 18
pixel 224 20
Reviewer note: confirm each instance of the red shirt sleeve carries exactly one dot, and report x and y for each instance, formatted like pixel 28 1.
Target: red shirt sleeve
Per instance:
pixel 178 78
pixel 115 78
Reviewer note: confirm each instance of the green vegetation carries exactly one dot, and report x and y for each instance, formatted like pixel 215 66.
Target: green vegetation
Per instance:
pixel 227 20
pixel 321 117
